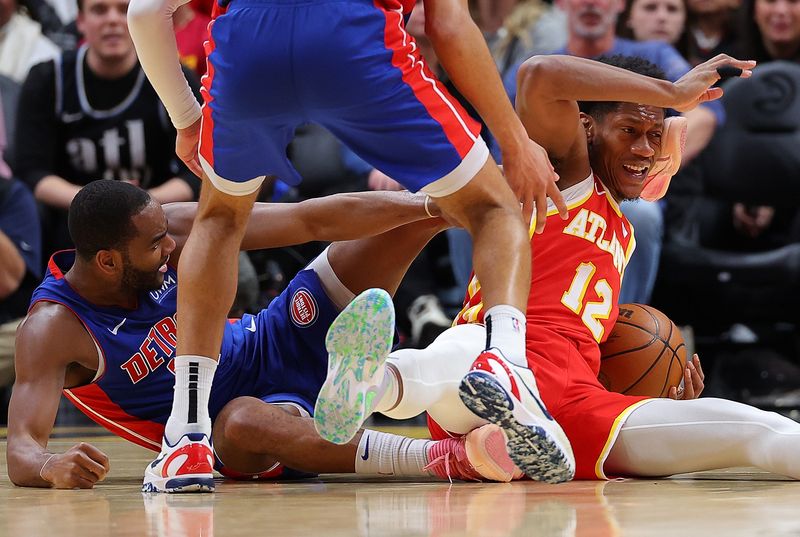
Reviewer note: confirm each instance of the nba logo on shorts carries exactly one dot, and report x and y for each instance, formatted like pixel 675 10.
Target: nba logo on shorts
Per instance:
pixel 304 308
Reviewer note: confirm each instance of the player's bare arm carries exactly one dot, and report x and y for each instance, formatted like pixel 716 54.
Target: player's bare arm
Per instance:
pixel 462 51
pixel 45 366
pixel 549 88
pixel 338 217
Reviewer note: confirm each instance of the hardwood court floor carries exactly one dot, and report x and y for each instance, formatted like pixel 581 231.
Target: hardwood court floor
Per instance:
pixel 736 502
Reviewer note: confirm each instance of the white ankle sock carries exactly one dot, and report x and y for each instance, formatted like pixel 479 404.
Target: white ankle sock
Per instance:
pixel 505 329
pixel 193 378
pixel 390 454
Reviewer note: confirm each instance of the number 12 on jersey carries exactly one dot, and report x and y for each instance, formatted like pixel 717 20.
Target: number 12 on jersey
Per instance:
pixel 592 313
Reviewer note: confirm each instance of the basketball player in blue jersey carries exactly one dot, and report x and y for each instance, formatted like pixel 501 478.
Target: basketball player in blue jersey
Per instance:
pixel 350 66
pixel 102 328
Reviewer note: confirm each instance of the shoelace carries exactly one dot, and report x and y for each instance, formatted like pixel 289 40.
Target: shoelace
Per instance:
pixel 463 468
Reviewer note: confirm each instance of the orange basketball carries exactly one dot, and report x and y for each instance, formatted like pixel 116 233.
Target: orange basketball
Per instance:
pixel 644 354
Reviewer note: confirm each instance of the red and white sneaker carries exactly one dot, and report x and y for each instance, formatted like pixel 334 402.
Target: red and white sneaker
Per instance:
pixel 480 455
pixel 188 466
pixel 506 395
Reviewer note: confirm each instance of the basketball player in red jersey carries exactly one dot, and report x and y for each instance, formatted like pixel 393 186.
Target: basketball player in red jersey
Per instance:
pixel 606 148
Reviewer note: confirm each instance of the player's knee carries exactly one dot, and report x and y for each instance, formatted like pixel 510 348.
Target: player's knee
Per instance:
pixel 234 422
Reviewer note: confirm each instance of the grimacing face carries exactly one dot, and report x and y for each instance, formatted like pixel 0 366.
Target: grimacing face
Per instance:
pixel 623 146
pixel 146 254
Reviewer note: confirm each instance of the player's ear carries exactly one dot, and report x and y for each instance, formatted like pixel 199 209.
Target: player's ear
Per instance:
pixel 108 261
pixel 588 126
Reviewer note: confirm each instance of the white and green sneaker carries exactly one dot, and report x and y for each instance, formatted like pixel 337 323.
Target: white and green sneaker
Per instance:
pixel 358 342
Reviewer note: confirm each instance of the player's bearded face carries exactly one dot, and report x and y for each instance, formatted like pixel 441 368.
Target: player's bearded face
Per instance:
pixel 623 146
pixel 146 278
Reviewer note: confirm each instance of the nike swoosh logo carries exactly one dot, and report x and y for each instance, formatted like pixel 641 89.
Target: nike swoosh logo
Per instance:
pixel 252 327
pixel 365 455
pixel 116 328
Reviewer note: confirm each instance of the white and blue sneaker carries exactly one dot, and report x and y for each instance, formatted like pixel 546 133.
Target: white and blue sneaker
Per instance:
pixel 506 395
pixel 187 466
pixel 358 342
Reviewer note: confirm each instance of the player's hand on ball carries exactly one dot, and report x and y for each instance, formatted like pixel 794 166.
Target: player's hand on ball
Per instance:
pixel 532 178
pixel 187 143
pixel 693 381
pixel 695 87
pixel 81 467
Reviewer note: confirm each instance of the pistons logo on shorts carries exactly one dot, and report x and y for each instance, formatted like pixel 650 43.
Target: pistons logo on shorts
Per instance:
pixel 304 308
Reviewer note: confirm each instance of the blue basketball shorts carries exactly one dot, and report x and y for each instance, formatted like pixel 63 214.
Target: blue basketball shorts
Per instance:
pixel 348 65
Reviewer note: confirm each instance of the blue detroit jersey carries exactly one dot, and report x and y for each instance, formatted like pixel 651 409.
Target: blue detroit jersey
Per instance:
pixel 277 355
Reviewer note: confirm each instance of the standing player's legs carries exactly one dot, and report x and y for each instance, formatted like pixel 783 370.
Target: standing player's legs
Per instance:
pixel 666 437
pixel 207 272
pixel 243 137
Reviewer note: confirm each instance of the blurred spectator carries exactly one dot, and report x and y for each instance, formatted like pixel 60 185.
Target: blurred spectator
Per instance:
pixel 57 19
pixel 770 30
pixel 22 43
pixel 20 256
pixel 491 14
pixel 698 29
pixel 655 20
pixel 531 27
pixel 191 31
pixel 711 29
pixel 93 115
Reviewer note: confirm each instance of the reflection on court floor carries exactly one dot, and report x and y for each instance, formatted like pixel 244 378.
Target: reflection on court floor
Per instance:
pixel 734 502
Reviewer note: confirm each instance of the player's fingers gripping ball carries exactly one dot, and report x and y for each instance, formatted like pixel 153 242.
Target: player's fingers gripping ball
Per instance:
pixel 644 354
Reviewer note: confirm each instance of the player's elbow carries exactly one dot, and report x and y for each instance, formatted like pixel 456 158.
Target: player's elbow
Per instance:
pixel 533 75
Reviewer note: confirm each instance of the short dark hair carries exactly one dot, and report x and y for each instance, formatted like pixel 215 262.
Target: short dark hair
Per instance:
pixel 100 216
pixel 598 109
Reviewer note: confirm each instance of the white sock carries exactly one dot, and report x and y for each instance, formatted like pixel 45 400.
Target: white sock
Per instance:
pixel 505 329
pixel 666 437
pixel 389 454
pixel 429 379
pixel 193 378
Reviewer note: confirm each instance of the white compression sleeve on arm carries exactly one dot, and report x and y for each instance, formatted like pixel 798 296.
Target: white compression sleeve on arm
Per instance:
pixel 150 25
pixel 666 437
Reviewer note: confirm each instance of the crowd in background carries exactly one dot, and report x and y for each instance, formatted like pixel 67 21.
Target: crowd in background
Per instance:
pixel 77 107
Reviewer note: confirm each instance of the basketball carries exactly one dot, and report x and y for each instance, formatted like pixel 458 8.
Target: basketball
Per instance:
pixel 644 354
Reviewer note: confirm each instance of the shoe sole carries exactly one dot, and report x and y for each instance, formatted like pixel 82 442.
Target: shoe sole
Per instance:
pixel 197 483
pixel 358 342
pixel 531 447
pixel 487 453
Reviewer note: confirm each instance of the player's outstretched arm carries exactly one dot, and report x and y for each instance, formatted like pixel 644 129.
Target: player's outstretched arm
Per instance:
pixel 41 364
pixel 462 51
pixel 338 217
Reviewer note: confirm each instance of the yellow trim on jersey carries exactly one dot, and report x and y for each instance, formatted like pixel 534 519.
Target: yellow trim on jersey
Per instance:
pixel 611 200
pixel 571 204
pixel 612 437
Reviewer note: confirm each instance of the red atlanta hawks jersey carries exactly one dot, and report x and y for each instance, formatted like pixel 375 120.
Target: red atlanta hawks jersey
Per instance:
pixel 578 265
